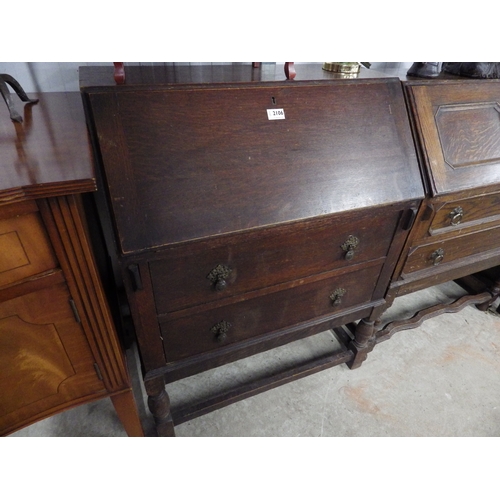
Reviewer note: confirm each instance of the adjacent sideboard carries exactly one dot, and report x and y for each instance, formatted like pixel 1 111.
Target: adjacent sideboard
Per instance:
pixel 456 234
pixel 59 345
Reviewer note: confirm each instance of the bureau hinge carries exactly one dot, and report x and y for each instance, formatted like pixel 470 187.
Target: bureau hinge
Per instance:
pixel 98 371
pixel 75 310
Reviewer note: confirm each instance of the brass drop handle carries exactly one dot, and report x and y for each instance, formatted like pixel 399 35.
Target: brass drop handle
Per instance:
pixel 456 216
pixel 336 296
pixel 437 256
pixel 220 331
pixel 349 246
pixel 218 276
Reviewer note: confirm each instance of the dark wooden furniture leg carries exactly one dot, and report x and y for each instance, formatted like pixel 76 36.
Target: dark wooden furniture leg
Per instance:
pixel 159 406
pixel 363 343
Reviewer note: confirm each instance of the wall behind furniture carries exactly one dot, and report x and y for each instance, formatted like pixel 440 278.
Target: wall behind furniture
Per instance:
pixel 63 76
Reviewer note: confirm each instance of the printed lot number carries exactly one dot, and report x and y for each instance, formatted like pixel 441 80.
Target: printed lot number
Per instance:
pixel 276 114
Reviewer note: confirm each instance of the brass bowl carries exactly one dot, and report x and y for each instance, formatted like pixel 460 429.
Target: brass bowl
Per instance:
pixel 347 68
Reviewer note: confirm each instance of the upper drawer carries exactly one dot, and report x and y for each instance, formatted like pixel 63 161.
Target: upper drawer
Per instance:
pixel 468 212
pixel 25 249
pixel 447 251
pixel 209 330
pixel 206 271
pixel 187 163
pixel 458 124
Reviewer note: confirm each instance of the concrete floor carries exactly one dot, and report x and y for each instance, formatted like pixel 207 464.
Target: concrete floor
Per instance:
pixel 442 379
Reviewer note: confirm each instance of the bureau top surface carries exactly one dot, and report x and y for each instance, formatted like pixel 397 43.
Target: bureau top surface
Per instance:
pixel 142 76
pixel 189 161
pixel 49 152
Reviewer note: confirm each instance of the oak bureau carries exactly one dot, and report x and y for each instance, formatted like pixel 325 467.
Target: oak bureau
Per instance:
pixel 456 234
pixel 247 211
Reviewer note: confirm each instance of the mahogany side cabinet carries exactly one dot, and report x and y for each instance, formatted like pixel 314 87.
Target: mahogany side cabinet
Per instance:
pixel 58 343
pixel 247 211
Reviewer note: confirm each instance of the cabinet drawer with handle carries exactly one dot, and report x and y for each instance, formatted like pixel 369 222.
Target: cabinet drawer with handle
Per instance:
pixel 208 271
pixel 441 252
pixel 466 213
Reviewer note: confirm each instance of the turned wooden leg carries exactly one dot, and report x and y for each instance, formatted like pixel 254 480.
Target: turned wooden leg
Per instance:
pixel 159 405
pixel 363 343
pixel 126 409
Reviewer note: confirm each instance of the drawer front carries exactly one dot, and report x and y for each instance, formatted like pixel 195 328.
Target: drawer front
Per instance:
pixel 25 249
pixel 207 271
pixel 468 212
pixel 446 251
pixel 207 331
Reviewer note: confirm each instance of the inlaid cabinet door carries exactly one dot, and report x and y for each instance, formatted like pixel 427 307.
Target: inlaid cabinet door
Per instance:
pixel 459 128
pixel 45 359
pixel 25 249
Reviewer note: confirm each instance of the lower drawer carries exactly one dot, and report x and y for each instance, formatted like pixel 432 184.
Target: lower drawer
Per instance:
pixel 198 333
pixel 446 251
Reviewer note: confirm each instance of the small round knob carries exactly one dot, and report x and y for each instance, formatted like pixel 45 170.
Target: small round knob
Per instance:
pixel 349 255
pixel 349 246
pixel 220 284
pixel 456 216
pixel 221 337
pixel 437 256
pixel 220 330
pixel 218 277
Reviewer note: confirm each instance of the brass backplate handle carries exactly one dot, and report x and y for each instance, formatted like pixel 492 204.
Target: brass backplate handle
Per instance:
pixel 456 216
pixel 349 245
pixel 437 256
pixel 336 296
pixel 220 330
pixel 219 275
